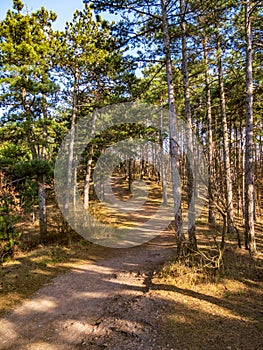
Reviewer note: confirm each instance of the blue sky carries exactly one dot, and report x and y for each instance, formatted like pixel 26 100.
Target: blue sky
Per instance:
pixel 63 9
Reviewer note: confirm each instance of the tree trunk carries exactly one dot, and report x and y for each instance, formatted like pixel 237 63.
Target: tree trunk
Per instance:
pixel 189 172
pixel 71 142
pixel 89 165
pixel 42 207
pixel 250 241
pixel 87 180
pixel 242 132
pixel 130 174
pixel 42 178
pixel 174 147
pixel 238 171
pixel 227 168
pixel 163 174
pixel 210 145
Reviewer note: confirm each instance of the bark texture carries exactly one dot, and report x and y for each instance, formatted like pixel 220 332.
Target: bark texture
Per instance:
pixel 174 147
pixel 190 155
pixel 210 148
pixel 226 153
pixel 250 242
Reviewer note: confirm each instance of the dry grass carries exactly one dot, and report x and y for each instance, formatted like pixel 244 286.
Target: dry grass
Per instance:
pixel 26 273
pixel 208 309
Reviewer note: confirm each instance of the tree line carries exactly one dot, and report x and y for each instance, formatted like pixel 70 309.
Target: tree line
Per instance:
pixel 199 60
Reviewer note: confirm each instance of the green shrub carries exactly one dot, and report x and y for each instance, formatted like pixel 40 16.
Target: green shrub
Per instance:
pixel 9 215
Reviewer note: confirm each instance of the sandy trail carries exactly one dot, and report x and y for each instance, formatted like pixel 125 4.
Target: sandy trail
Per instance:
pixel 100 305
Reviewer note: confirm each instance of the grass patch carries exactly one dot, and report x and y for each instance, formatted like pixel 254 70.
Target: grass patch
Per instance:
pixel 213 309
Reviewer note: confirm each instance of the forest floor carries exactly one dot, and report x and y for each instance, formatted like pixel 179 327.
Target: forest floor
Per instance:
pixel 91 297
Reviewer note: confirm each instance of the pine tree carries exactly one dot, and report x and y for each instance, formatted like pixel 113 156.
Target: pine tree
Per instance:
pixel 250 242
pixel 87 61
pixel 25 49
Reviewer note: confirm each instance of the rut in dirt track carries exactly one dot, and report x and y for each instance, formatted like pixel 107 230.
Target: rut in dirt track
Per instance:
pixel 101 305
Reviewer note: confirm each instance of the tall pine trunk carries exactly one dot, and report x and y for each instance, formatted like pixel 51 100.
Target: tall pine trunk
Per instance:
pixel 42 206
pixel 163 174
pixel 89 165
pixel 250 241
pixel 174 147
pixel 210 145
pixel 242 133
pixel 226 153
pixel 42 178
pixel 71 143
pixel 189 172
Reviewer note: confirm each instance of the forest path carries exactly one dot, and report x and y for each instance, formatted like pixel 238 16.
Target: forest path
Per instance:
pixel 104 304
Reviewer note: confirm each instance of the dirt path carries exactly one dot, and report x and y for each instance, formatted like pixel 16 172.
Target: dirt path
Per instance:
pixel 100 305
